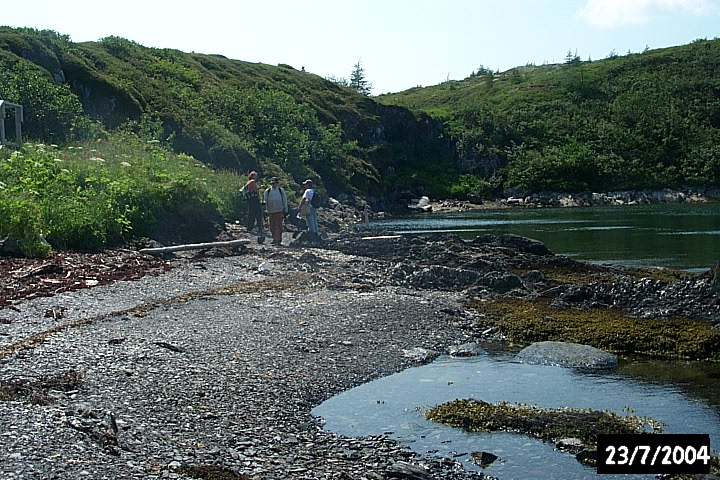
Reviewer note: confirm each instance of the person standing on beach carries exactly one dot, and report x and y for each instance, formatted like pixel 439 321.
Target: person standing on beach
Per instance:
pixel 306 209
pixel 276 206
pixel 254 209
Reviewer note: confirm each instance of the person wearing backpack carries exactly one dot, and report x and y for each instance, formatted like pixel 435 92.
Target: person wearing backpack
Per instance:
pixel 253 201
pixel 276 206
pixel 306 207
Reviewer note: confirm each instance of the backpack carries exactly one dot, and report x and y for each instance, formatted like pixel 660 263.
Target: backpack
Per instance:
pixel 245 192
pixel 316 200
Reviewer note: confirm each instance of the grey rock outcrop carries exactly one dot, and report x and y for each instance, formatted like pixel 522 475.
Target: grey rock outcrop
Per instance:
pixel 566 355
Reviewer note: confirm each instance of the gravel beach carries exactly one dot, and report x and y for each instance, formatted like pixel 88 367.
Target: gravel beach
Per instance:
pixel 208 365
pixel 211 369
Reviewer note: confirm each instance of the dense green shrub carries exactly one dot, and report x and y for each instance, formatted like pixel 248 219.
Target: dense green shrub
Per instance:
pixel 50 111
pixel 100 194
pixel 468 184
pixel 646 120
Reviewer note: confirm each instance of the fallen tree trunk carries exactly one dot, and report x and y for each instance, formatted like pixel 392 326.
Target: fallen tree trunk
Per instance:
pixel 193 246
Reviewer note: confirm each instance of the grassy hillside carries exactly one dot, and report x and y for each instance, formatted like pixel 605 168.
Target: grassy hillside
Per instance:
pixel 226 113
pixel 116 134
pixel 645 120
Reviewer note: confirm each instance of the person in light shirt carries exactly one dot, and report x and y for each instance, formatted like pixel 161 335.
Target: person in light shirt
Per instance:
pixel 276 206
pixel 306 209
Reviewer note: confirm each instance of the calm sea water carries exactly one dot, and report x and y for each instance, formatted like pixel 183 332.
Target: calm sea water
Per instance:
pixel 677 236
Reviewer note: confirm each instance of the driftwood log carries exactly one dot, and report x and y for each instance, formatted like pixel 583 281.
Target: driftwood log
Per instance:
pixel 193 246
pixel 381 237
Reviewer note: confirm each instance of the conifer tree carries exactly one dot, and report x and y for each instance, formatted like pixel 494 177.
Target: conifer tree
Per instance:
pixel 358 81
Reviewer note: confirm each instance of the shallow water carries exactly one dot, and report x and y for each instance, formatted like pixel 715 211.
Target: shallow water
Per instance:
pixel 395 406
pixel 677 236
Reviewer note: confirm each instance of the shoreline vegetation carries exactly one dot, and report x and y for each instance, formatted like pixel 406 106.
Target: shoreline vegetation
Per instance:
pixel 123 192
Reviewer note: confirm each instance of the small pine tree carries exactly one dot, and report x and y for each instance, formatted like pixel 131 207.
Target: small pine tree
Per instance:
pixel 358 81
pixel 489 79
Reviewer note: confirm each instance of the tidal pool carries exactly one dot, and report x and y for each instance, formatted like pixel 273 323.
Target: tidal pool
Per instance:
pixel 395 406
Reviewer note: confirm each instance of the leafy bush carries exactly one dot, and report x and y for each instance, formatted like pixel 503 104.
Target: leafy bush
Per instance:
pixel 20 230
pixel 468 184
pixel 50 111
pixel 101 194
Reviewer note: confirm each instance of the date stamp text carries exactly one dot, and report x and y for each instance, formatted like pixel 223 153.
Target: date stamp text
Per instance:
pixel 653 453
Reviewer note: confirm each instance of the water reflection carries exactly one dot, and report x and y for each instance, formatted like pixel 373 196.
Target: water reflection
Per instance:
pixel 678 236
pixel 395 405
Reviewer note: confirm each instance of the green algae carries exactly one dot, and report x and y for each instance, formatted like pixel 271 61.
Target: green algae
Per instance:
pixel 586 274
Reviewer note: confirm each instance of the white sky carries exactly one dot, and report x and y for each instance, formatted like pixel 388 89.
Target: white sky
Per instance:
pixel 400 43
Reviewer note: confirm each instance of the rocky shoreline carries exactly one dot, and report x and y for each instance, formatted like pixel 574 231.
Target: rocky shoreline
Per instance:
pixel 210 368
pixel 518 198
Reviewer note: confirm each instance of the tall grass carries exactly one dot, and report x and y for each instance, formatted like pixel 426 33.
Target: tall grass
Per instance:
pixel 101 194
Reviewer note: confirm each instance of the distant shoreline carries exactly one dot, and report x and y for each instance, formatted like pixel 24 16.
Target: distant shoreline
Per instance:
pixel 555 199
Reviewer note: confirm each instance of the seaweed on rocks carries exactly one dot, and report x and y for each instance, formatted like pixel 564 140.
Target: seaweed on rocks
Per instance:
pixel 210 472
pixel 550 425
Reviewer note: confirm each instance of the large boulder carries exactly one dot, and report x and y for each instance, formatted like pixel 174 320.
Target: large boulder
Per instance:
pixel 566 355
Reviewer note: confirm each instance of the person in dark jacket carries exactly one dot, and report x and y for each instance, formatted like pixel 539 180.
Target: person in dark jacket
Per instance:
pixel 255 214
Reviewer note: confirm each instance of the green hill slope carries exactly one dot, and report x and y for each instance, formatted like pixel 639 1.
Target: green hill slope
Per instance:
pixel 644 120
pixel 227 113
pixel 126 139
